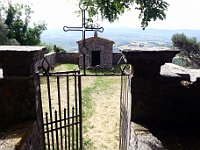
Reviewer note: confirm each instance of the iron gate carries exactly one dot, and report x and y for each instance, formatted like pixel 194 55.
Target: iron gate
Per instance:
pixel 62 110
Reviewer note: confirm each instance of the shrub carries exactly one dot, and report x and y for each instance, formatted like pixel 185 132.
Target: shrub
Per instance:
pixel 189 47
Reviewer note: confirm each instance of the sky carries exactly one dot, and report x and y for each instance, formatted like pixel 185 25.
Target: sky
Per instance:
pixel 181 14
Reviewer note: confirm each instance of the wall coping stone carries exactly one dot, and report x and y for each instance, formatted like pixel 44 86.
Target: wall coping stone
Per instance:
pixel 154 55
pixel 173 70
pixel 20 60
pixel 22 48
pixel 51 53
pixel 148 61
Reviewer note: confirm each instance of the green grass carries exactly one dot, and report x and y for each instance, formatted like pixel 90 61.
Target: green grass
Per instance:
pixel 100 84
pixel 116 68
pixel 65 67
pixel 71 67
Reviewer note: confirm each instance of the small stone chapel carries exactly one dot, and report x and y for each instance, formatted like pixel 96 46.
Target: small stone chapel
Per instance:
pixel 99 52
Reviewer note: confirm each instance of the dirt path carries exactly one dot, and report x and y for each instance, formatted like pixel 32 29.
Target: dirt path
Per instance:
pixel 104 123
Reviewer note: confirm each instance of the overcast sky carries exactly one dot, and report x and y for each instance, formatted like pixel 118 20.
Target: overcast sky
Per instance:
pixel 181 14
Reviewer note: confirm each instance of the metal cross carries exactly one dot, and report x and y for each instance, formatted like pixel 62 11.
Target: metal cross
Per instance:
pixel 84 28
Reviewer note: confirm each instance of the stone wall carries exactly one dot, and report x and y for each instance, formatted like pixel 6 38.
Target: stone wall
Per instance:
pixel 19 97
pixel 117 59
pixel 64 58
pixel 73 58
pixel 17 104
pixel 165 99
pixel 30 140
pixel 21 137
pixel 142 139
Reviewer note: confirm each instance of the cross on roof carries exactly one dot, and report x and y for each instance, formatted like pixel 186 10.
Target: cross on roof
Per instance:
pixel 84 28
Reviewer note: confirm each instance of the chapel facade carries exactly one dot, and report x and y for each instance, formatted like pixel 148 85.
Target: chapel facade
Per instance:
pixel 99 52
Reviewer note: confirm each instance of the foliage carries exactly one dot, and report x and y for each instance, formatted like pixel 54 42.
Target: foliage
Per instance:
pixel 58 49
pixel 189 47
pixel 17 18
pixel 48 46
pixel 112 9
pixel 3 36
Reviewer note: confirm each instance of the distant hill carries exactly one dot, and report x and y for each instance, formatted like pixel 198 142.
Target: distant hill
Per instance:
pixel 123 37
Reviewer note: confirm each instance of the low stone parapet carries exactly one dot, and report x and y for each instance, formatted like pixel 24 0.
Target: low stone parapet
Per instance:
pixel 21 137
pixel 142 139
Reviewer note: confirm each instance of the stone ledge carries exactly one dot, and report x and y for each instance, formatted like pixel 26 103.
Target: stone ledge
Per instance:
pixel 142 139
pixel 13 139
pixel 175 70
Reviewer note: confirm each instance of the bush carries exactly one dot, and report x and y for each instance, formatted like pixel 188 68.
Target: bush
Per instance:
pixel 58 49
pixel 189 47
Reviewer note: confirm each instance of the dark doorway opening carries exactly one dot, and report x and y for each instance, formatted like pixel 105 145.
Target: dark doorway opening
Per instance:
pixel 95 58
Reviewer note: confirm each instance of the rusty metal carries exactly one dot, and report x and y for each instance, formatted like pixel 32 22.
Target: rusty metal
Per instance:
pixel 84 28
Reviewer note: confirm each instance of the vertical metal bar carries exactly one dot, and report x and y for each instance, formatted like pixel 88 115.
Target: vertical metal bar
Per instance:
pixel 84 69
pixel 60 113
pixel 40 107
pixel 73 128
pixel 68 112
pixel 47 131
pixel 76 109
pixel 65 124
pixel 50 110
pixel 80 111
pixel 56 128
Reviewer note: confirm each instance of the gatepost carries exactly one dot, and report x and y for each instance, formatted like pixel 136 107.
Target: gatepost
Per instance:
pixel 148 108
pixel 20 109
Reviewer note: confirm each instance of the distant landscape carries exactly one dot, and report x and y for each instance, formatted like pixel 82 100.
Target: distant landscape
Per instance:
pixel 123 37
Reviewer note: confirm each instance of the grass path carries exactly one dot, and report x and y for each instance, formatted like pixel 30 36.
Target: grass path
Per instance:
pixel 103 125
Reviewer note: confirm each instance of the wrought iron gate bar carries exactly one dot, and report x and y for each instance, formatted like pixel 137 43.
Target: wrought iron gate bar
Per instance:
pixel 62 120
pixel 56 129
pixel 62 124
pixel 68 104
pixel 59 105
pixel 47 131
pixel 76 109
pixel 50 107
pixel 65 124
pixel 72 124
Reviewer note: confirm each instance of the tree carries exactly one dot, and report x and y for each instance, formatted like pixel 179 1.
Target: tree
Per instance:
pixel 3 36
pixel 189 48
pixel 112 9
pixel 17 17
pixel 3 33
